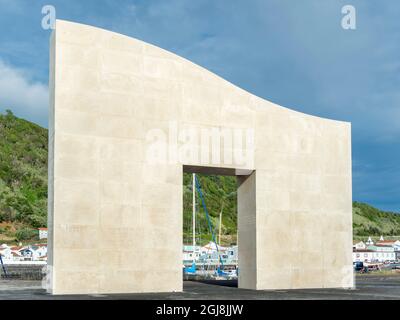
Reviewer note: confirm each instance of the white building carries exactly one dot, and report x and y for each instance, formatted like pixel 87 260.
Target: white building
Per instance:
pixel 42 233
pixel 374 254
pixel 38 251
pixel 369 242
pixel 363 255
pixel 29 253
pixel 359 245
pixel 395 244
pixel 190 253
pixel 390 243
pixel 5 252
pixel 210 255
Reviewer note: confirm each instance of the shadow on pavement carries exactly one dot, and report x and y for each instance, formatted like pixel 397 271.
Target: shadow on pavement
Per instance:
pixel 223 283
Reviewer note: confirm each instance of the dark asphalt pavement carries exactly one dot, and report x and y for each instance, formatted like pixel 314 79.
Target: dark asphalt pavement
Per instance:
pixel 368 287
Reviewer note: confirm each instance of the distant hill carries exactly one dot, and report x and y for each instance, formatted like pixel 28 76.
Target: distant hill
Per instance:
pixel 220 196
pixel 23 177
pixel 369 221
pixel 23 192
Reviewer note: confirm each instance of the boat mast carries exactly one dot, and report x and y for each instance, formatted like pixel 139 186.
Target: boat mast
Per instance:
pixel 194 214
pixel 237 233
pixel 220 224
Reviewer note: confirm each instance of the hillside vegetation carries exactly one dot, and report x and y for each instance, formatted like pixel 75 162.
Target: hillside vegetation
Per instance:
pixel 220 197
pixel 369 221
pixel 23 177
pixel 23 192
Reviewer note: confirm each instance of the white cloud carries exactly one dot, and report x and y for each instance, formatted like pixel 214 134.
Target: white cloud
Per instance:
pixel 26 98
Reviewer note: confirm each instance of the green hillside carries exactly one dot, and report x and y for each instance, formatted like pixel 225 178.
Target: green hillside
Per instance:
pixel 369 221
pixel 23 192
pixel 23 177
pixel 220 195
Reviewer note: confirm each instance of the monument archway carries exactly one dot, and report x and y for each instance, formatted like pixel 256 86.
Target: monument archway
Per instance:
pixel 115 171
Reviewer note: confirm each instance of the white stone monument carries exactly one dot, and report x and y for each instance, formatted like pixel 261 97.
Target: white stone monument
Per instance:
pixel 128 118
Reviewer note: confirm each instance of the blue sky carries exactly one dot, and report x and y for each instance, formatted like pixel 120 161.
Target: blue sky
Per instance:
pixel 294 53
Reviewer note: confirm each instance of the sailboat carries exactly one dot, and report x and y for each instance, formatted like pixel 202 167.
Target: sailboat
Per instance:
pixel 192 268
pixel 219 273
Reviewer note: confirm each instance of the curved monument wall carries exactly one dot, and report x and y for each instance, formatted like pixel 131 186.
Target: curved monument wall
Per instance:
pixel 115 196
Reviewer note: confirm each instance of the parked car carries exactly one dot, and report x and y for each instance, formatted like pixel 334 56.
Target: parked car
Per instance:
pixel 358 266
